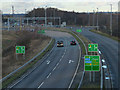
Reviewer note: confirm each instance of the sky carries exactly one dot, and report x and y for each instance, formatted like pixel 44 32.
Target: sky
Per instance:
pixel 20 6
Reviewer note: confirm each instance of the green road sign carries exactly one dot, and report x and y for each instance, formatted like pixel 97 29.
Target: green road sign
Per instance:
pixel 91 63
pixel 41 31
pixel 92 47
pixel 79 30
pixel 20 49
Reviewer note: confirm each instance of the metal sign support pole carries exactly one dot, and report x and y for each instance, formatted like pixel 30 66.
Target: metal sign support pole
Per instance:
pixel 27 21
pixel 8 24
pixel 16 57
pixel 23 56
pixel 94 73
pixel 90 76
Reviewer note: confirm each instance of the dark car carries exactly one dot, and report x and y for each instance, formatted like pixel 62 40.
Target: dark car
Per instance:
pixel 60 44
pixel 73 42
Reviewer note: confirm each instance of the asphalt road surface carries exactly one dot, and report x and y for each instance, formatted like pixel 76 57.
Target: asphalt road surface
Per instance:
pixel 57 68
pixel 109 49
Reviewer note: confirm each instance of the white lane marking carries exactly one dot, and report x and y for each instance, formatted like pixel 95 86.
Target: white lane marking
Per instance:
pixel 57 64
pixel 62 56
pixel 48 62
pixel 60 59
pixel 70 61
pixel 76 68
pixel 54 68
pixel 41 84
pixel 20 80
pixel 48 75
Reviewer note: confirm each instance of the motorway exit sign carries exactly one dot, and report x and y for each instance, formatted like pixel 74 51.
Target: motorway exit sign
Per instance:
pixel 20 49
pixel 79 30
pixel 41 31
pixel 92 47
pixel 91 63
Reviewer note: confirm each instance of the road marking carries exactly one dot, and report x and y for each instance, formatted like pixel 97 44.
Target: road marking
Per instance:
pixel 57 64
pixel 70 61
pixel 20 80
pixel 41 84
pixel 54 68
pixel 62 56
pixel 30 71
pixel 48 75
pixel 77 67
pixel 48 62
pixel 60 59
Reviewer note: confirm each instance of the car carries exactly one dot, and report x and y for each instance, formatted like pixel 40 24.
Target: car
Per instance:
pixel 60 44
pixel 73 42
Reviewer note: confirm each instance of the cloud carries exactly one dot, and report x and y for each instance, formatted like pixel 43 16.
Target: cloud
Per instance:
pixel 69 6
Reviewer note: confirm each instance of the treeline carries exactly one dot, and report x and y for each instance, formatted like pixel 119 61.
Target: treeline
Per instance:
pixel 75 18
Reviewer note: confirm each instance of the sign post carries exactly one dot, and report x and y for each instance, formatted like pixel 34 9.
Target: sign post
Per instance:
pixel 92 62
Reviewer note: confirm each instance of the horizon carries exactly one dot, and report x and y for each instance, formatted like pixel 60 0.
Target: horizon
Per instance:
pixel 22 7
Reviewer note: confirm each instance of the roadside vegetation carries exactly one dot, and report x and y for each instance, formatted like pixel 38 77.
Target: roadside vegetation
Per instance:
pixel 106 35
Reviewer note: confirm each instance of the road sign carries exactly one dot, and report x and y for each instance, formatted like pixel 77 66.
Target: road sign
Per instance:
pixel 92 47
pixel 91 63
pixel 79 30
pixel 41 31
pixel 20 49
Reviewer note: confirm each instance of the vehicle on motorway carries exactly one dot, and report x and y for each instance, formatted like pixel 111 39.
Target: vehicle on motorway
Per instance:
pixel 60 44
pixel 73 42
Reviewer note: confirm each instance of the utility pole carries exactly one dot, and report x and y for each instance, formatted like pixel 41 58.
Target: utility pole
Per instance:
pixel 54 16
pixel 111 20
pixel 45 17
pixel 88 18
pixel 97 19
pixel 12 10
pixel 93 17
pixel 25 11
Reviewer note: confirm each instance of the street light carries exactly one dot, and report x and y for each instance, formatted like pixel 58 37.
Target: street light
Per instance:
pixel 111 20
pixel 93 16
pixel 97 18
pixel 45 16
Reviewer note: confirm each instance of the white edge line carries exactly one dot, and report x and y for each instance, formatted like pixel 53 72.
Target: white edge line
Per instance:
pixel 48 75
pixel 41 84
pixel 76 68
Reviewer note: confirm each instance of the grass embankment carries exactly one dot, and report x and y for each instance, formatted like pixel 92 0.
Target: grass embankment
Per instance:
pixel 106 35
pixel 34 44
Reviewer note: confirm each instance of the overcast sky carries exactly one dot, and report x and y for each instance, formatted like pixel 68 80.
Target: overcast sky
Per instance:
pixel 68 5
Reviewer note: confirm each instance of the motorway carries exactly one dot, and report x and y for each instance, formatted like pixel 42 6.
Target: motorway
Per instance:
pixel 109 49
pixel 56 69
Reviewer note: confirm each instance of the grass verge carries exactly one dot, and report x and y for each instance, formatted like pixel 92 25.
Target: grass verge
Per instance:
pixel 23 70
pixel 106 35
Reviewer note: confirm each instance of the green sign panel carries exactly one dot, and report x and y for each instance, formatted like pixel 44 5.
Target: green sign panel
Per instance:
pixel 20 49
pixel 92 63
pixel 92 47
pixel 41 31
pixel 78 30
